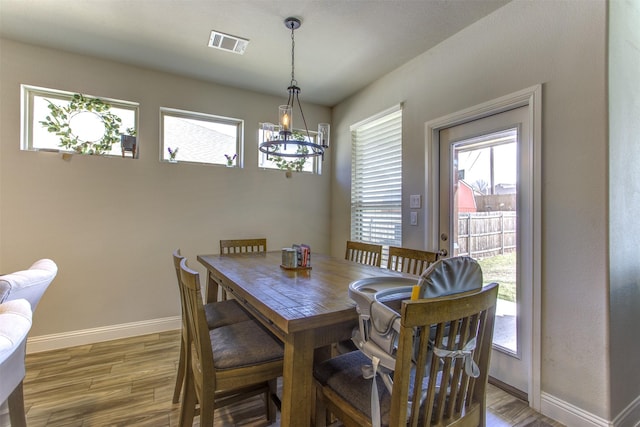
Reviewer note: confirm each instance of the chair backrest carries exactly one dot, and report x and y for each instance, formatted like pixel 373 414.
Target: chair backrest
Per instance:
pixel 202 362
pixel 412 261
pixel 28 284
pixel 453 369
pixel 450 276
pixel 15 323
pixel 364 253
pixel 177 258
pixel 242 245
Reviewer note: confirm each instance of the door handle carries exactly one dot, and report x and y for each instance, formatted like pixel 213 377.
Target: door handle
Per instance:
pixel 443 252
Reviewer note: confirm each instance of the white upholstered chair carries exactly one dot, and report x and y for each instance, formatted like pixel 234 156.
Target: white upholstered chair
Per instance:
pixel 15 323
pixel 27 287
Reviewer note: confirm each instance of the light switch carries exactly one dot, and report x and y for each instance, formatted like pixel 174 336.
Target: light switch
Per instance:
pixel 414 218
pixel 415 201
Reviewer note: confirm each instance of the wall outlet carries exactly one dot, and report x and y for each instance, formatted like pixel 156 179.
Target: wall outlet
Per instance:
pixel 415 201
pixel 414 218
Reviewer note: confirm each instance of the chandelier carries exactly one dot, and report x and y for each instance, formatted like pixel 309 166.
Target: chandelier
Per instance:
pixel 276 138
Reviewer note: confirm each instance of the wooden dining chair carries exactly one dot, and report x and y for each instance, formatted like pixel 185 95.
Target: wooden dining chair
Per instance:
pixel 216 314
pixel 364 253
pixel 441 383
pixel 238 246
pixel 412 261
pixel 242 245
pixel 226 364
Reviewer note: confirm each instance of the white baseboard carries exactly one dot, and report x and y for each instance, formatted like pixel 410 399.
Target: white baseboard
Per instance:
pixel 630 416
pixel 571 415
pixel 106 333
pixel 568 414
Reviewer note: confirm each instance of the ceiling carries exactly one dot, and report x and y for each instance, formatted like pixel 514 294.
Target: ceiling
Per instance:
pixel 341 47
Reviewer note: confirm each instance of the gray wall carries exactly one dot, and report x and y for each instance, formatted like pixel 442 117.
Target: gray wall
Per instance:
pixel 562 45
pixel 624 200
pixel 111 224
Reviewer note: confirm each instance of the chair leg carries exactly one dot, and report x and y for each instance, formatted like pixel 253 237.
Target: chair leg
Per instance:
pixel 270 396
pixel 188 406
pixel 181 371
pixel 320 409
pixel 16 407
pixel 207 409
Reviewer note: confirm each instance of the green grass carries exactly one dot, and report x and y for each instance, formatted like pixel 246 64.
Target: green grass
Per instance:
pixel 501 269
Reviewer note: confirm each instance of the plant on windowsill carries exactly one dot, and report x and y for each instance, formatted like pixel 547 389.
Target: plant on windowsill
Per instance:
pixel 230 160
pixel 60 121
pixel 172 154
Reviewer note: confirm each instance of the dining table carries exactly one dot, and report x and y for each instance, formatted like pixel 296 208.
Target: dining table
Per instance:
pixel 308 309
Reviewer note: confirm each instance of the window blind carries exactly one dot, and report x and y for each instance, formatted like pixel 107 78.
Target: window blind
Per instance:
pixel 376 180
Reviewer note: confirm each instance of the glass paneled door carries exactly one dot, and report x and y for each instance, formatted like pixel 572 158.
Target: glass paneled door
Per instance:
pixel 481 216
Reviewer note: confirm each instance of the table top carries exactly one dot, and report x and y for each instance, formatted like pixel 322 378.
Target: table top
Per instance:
pixel 293 300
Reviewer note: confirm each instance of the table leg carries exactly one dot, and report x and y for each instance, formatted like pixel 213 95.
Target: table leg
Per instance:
pixel 297 379
pixel 211 294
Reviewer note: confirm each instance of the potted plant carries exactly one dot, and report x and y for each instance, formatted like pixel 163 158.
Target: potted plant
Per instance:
pixel 173 154
pixel 230 160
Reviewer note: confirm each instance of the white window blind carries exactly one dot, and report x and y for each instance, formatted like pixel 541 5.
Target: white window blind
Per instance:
pixel 376 179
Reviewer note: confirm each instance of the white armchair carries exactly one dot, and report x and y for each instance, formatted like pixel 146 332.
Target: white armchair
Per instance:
pixel 15 323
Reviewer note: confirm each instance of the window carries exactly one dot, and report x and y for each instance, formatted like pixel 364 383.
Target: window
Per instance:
pixel 376 180
pixel 201 138
pixel 310 164
pixel 55 120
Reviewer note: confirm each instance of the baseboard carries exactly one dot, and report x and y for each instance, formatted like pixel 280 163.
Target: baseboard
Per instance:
pixel 106 333
pixel 630 416
pixel 569 414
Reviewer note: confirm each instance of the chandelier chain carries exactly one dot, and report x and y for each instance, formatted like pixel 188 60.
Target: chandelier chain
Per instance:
pixel 293 63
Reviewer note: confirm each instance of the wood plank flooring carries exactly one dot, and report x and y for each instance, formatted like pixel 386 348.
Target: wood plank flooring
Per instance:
pixel 129 382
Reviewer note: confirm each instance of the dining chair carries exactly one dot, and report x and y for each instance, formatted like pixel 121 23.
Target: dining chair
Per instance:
pixel 364 253
pixel 226 364
pixel 15 323
pixel 412 261
pixel 217 314
pixel 237 246
pixel 242 245
pixel 439 383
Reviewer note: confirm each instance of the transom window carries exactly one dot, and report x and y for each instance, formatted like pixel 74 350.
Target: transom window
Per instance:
pixel 376 180
pixel 201 138
pixel 55 120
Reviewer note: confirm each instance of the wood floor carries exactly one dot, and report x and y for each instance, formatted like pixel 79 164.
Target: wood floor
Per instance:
pixel 129 382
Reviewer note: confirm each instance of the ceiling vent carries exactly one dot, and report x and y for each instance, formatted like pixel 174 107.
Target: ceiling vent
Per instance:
pixel 228 42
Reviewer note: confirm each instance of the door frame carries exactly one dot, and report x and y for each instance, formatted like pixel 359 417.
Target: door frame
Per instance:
pixel 532 98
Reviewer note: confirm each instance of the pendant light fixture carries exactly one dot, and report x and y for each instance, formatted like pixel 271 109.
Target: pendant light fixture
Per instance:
pixel 278 137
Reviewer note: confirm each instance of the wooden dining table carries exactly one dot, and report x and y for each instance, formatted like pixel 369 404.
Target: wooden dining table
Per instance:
pixel 307 309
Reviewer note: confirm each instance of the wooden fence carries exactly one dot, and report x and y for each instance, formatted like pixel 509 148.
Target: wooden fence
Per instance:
pixel 486 234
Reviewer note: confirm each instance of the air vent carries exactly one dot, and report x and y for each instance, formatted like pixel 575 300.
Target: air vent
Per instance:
pixel 228 42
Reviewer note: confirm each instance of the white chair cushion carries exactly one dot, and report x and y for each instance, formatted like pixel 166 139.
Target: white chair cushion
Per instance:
pixel 15 323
